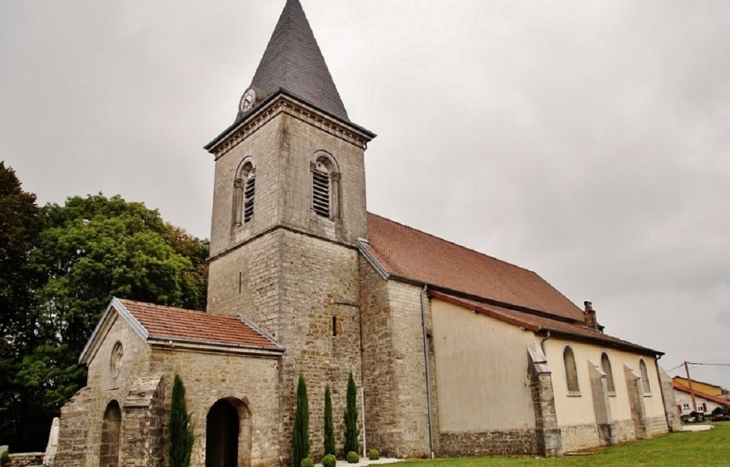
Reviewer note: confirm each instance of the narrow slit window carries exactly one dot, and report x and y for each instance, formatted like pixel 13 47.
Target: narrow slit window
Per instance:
pixel 334 326
pixel 321 192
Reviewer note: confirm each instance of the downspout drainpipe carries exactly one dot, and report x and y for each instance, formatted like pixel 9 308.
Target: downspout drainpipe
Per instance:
pixel 428 372
pixel 542 343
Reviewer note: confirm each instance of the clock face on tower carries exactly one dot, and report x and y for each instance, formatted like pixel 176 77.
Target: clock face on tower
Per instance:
pixel 248 99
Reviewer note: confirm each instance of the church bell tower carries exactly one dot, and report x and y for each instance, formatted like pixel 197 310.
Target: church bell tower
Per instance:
pixel 288 208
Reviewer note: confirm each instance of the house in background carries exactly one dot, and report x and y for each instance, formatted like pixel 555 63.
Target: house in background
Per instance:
pixel 457 353
pixel 704 401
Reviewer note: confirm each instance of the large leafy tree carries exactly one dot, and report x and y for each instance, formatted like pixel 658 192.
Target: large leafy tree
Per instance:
pixel 92 249
pixel 20 225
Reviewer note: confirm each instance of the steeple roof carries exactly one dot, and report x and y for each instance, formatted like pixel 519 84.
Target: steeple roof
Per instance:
pixel 293 62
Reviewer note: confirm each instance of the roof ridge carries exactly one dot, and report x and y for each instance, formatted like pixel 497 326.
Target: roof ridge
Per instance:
pixel 156 305
pixel 456 244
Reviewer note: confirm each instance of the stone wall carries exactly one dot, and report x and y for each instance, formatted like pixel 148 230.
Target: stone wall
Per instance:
pixel 548 441
pixel 656 426
pixel 246 380
pixel 290 271
pixel 577 437
pixel 625 431
pixel 79 442
pixel 488 443
pixel 26 459
pixel 410 434
pixel 377 360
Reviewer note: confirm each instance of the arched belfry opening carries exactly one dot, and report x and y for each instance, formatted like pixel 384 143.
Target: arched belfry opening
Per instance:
pixel 111 430
pixel 228 434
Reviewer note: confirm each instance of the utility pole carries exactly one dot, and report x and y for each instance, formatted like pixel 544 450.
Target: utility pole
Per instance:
pixel 691 391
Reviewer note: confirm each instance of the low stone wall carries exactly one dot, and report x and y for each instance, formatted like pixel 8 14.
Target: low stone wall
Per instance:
pixel 577 437
pixel 656 426
pixel 625 430
pixel 488 443
pixel 26 459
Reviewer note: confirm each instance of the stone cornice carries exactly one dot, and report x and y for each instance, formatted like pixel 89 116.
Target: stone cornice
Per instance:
pixel 283 102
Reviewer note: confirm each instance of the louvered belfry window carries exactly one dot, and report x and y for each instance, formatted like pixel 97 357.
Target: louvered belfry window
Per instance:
pixel 248 194
pixel 321 190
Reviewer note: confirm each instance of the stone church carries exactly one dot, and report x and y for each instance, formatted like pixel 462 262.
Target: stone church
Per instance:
pixel 454 352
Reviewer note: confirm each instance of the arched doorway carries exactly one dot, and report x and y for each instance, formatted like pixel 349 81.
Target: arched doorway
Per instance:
pixel 111 429
pixel 228 434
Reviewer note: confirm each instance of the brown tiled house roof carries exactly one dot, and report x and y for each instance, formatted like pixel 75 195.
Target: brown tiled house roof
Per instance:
pixel 163 322
pixel 411 254
pixel 542 324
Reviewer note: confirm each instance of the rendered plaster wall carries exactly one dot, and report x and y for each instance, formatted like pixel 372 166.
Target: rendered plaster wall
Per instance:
pixel 576 412
pixel 482 372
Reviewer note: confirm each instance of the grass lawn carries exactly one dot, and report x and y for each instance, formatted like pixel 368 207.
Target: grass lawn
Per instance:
pixel 700 449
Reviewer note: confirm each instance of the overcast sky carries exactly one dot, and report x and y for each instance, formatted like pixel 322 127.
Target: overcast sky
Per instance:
pixel 587 141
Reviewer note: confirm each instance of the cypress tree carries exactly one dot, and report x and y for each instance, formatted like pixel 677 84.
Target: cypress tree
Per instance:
pixel 351 431
pixel 300 430
pixel 180 428
pixel 329 424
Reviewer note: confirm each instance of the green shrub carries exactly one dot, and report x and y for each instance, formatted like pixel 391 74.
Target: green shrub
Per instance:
pixel 307 462
pixel 4 459
pixel 180 427
pixel 300 430
pixel 351 431
pixel 373 454
pixel 353 457
pixel 329 460
pixel 329 425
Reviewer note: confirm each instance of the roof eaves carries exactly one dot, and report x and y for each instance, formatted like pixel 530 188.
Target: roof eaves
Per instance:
pixel 260 332
pixel 125 314
pixel 262 106
pixel 487 301
pixel 609 342
pixel 171 341
pixel 364 247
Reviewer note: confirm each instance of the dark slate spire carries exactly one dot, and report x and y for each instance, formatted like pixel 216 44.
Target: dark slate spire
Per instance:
pixel 293 62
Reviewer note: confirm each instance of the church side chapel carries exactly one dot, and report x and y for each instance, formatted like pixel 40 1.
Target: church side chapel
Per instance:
pixel 456 353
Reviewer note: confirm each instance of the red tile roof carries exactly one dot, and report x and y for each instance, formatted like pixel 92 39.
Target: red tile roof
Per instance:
pixel 162 322
pixel 715 399
pixel 409 253
pixel 540 323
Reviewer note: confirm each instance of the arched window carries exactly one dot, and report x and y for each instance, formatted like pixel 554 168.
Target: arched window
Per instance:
pixel 244 193
pixel 606 367
pixel 325 186
pixel 571 372
pixel 644 377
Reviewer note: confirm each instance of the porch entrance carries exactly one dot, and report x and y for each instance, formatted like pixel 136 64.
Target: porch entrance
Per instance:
pixel 228 434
